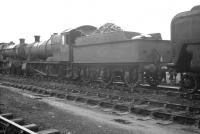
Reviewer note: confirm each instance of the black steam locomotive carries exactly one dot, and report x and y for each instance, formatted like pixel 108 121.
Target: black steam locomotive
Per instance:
pixel 185 37
pixel 107 55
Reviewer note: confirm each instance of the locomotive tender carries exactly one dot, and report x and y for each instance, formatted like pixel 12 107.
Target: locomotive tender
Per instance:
pixel 114 56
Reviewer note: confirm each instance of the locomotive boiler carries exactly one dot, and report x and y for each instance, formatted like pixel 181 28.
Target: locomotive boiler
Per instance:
pixel 46 58
pixel 185 36
pixel 54 56
pixel 12 56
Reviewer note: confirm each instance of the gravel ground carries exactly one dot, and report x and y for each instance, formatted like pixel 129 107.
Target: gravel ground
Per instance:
pixel 69 119
pixel 46 116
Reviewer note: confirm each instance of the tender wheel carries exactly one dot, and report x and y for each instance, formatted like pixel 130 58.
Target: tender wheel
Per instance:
pixel 152 81
pixel 187 83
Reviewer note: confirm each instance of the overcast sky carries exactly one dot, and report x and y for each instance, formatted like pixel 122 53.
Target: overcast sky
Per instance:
pixel 26 18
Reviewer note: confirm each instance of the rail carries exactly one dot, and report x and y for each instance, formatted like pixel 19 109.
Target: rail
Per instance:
pixel 6 123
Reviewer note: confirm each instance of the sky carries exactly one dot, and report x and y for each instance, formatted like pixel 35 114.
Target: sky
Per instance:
pixel 26 18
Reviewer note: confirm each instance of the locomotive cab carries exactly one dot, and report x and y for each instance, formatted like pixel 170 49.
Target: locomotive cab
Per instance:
pixel 69 37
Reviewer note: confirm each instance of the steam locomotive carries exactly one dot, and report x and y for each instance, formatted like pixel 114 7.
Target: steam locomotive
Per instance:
pixel 103 55
pixel 185 37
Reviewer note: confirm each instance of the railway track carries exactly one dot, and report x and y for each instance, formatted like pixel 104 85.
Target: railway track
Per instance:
pixel 15 125
pixel 142 88
pixel 183 113
pixel 167 90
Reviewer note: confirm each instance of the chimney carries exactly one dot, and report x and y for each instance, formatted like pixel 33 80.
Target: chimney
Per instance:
pixel 21 41
pixel 37 38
